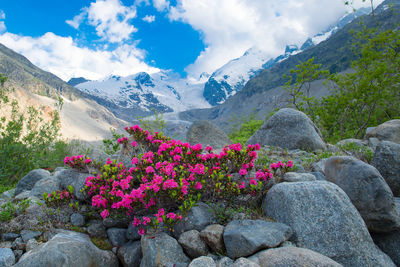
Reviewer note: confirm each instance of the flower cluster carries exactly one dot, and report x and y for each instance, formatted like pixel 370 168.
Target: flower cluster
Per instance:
pixel 166 181
pixel 77 162
pixel 58 197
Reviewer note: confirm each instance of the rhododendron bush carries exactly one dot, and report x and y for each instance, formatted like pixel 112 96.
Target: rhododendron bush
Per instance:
pixel 165 182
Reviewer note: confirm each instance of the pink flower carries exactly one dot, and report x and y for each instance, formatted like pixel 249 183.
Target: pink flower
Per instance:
pixel 141 231
pixel 135 161
pixel 146 220
pixel 134 143
pixel 104 214
pixel 184 190
pixel 242 172
pixel 149 170
pixel 289 164
pixel 136 222
pixel 209 148
pixel 177 158
pixel 253 182
pixel 171 215
pixel 87 161
pixel 198 186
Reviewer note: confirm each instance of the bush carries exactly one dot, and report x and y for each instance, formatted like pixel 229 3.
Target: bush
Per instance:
pixel 166 181
pixel 240 134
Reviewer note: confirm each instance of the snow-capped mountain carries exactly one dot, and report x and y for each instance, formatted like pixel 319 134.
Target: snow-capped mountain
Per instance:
pixel 231 78
pixel 142 93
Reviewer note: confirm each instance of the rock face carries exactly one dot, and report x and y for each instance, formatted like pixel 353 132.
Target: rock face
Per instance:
pixel 162 250
pixel 324 220
pixel 245 237
pixel 68 249
pixel 207 134
pixel 367 190
pixel 291 256
pixel 291 129
pixel 389 243
pixel 388 131
pixel 75 179
pixel 387 160
pixel 29 180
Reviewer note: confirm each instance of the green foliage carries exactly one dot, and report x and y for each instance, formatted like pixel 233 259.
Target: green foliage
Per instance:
pixel 10 210
pixel 364 97
pixel 361 152
pixel 155 123
pixel 111 146
pixel 27 141
pixel 244 129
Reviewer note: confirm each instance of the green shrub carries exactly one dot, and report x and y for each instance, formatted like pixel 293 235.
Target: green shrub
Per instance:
pixel 241 132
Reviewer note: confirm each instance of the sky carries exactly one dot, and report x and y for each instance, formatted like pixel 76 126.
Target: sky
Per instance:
pixel 98 38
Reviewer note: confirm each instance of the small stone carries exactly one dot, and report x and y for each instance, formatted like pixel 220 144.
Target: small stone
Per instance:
pixel 77 219
pixel 243 262
pixel 97 229
pixel 117 223
pixel 31 244
pixel 224 262
pixel 203 261
pixel 192 244
pixel 213 236
pixel 9 236
pixel 19 244
pixel 27 234
pixel 7 257
pixel 117 236
pixel 130 254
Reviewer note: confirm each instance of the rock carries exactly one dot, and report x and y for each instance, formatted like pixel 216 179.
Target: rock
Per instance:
pixel 243 262
pixel 161 250
pixel 117 236
pixel 130 254
pixel 203 262
pixel 213 236
pixel 27 234
pixel 97 229
pixel 18 244
pixel 75 179
pixel 287 244
pixel 245 237
pixel 23 195
pixel 7 257
pixel 18 254
pixel 47 185
pixel 387 160
pixel 207 134
pixel 132 233
pixel 367 190
pixel 388 131
pixel 319 166
pixel 324 220
pixel 77 219
pixel 68 249
pixel 291 256
pixel 29 180
pixel 291 129
pixel 319 176
pixel 192 244
pixel 8 194
pixel 198 218
pixel 9 236
pixel 357 142
pixel 115 222
pixel 390 244
pixel 373 143
pixel 31 244
pixel 224 262
pixel 298 177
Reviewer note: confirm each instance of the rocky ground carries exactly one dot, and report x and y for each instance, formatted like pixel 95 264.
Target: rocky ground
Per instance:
pixel 340 206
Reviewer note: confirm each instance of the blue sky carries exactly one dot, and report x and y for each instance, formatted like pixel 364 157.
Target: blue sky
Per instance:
pixel 96 38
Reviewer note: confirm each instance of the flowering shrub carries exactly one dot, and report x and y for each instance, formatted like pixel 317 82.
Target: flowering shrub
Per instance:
pixel 58 197
pixel 164 183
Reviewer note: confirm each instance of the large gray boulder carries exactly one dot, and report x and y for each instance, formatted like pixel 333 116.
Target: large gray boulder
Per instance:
pixel 390 244
pixel 7 257
pixel 130 254
pixel 207 134
pixel 28 181
pixel 68 249
pixel 387 160
pixel 197 219
pixel 367 190
pixel 245 237
pixel 46 185
pixel 388 131
pixel 291 129
pixel 74 178
pixel 292 256
pixel 161 250
pixel 324 220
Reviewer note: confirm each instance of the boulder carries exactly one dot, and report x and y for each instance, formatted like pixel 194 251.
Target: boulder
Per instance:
pixel 74 178
pixel 7 257
pixel 192 244
pixel 9 236
pixel 388 131
pixel 28 181
pixel 387 160
pixel 367 190
pixel 207 134
pixel 224 262
pixel 46 185
pixel 132 232
pixel 77 219
pixel 324 220
pixel 245 237
pixel 213 236
pixel 68 249
pixel 243 262
pixel 291 256
pixel 130 254
pixel 117 236
pixel 198 218
pixel 390 244
pixel 291 129
pixel 31 244
pixel 161 250
pixel 27 234
pixel 97 229
pixel 203 262
pixel 298 177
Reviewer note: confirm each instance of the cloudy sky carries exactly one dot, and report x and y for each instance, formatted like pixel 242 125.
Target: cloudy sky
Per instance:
pixel 96 38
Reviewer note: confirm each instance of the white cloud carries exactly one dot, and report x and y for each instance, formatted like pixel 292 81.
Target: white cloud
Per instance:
pixel 2 14
pixel 2 27
pixel 110 18
pixel 161 5
pixel 149 18
pixel 62 56
pixel 230 27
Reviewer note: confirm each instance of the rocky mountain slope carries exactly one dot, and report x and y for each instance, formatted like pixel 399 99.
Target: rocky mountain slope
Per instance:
pixel 232 77
pixel 81 117
pixel 263 90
